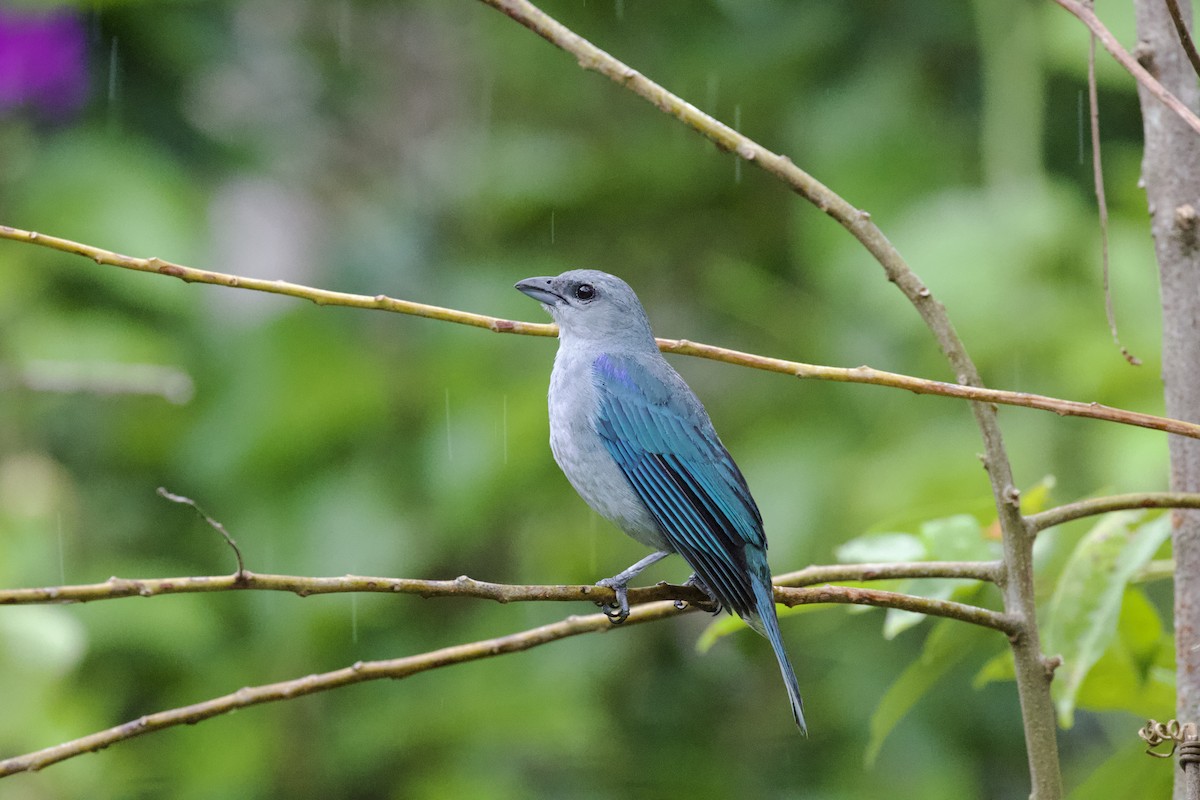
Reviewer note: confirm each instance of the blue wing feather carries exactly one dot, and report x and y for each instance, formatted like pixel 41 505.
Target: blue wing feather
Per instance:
pixel 663 442
pixel 667 449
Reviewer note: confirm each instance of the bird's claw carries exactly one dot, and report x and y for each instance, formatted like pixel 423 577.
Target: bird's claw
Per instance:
pixel 616 612
pixel 713 601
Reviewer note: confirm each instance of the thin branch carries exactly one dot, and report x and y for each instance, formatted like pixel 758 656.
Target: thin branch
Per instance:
pixel 217 526
pixel 463 586
pixel 399 668
pixel 1101 201
pixel 1105 505
pixel 1185 37
pixel 1005 623
pixel 893 570
pixel 861 375
pixel 359 672
pixel 1131 65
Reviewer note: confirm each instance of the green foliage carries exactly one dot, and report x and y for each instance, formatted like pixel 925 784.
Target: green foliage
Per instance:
pixel 1087 612
pixel 433 150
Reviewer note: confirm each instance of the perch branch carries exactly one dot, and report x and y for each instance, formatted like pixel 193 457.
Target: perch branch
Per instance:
pixel 862 375
pixel 463 586
pixel 399 668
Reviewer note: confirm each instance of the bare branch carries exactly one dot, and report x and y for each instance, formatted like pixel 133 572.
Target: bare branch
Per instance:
pixel 1005 623
pixel 1101 201
pixel 463 586
pixel 217 526
pixel 1185 37
pixel 399 668
pixel 1089 18
pixel 1105 505
pixel 861 375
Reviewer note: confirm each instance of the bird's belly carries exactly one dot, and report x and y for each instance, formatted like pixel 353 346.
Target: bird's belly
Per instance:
pixel 585 461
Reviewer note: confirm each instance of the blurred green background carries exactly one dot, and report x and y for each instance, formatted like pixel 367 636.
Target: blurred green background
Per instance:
pixel 438 152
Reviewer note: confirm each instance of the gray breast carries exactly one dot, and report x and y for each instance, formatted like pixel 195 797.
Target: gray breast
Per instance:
pixel 585 461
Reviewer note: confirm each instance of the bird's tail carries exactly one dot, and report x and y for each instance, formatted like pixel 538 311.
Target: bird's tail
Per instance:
pixel 767 623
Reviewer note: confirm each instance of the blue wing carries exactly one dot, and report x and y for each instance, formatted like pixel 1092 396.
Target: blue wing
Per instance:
pixel 664 443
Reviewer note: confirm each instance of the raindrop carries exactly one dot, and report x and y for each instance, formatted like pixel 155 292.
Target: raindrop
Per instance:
pixel 710 94
pixel 504 427
pixel 620 8
pixel 551 227
pixel 354 618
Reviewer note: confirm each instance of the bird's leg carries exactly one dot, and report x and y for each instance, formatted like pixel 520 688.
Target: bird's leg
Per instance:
pixel 619 583
pixel 696 581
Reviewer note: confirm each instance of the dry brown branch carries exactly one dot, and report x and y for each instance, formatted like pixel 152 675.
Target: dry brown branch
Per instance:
pixel 862 374
pixel 399 668
pixel 1105 505
pixel 463 586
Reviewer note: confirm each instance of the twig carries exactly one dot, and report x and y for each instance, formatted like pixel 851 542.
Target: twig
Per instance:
pixel 1101 201
pixel 463 586
pixel 218 527
pixel 862 375
pixel 1185 37
pixel 1105 505
pixel 1005 623
pixel 1089 18
pixel 399 668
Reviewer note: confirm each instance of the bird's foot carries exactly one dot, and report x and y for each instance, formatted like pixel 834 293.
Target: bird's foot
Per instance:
pixel 714 604
pixel 616 612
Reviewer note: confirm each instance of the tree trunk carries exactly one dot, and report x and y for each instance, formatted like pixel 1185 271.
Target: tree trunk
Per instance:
pixel 1171 172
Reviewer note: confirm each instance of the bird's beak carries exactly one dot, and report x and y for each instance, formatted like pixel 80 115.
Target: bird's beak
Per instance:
pixel 540 289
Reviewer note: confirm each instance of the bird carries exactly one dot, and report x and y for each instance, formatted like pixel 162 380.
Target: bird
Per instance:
pixel 638 446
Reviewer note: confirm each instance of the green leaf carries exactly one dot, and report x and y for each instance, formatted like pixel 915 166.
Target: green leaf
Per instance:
pixel 1126 676
pixel 999 667
pixel 1037 497
pixel 957 538
pixel 882 547
pixel 1082 618
pixel 948 643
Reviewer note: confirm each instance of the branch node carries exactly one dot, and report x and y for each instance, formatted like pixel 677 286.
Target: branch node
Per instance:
pixel 1051 664
pixel 1185 222
pixel 1144 54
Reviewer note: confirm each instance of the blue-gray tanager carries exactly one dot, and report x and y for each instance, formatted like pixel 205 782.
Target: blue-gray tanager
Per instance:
pixel 638 446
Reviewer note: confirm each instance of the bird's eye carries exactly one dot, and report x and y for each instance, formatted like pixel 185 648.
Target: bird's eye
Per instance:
pixel 585 292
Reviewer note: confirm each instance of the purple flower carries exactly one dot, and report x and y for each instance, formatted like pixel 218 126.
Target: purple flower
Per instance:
pixel 43 62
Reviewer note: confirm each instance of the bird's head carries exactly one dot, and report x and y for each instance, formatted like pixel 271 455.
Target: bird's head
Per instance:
pixel 591 305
